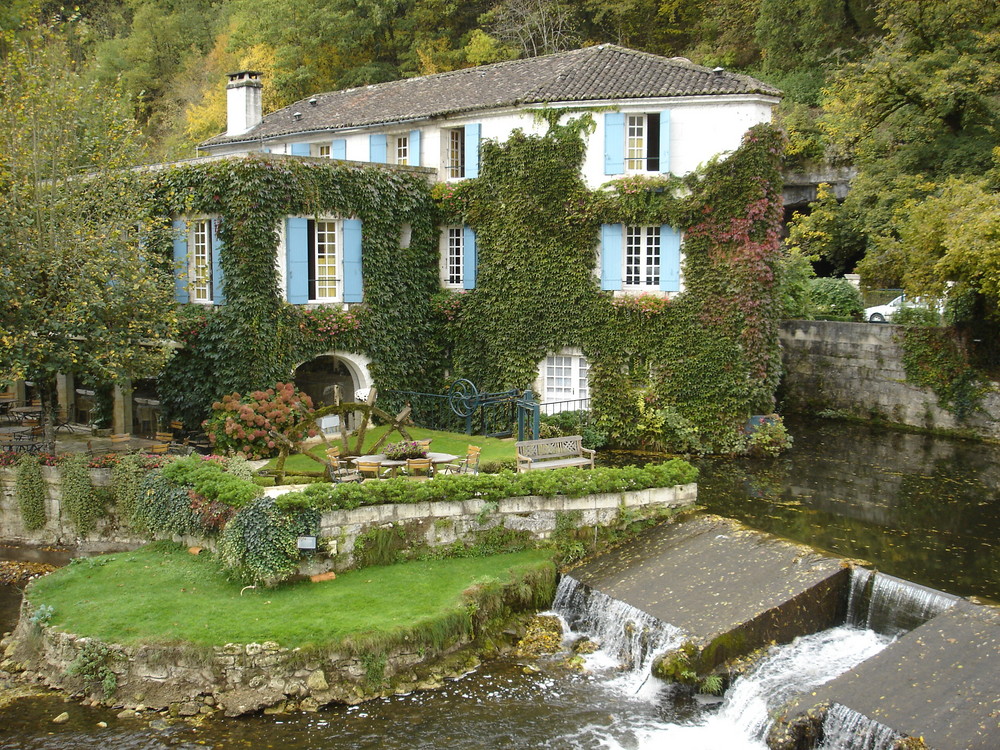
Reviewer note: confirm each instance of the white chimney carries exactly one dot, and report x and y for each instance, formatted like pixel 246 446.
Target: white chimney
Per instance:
pixel 243 106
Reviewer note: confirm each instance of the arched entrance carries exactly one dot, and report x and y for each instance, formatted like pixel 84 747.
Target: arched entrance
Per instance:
pixel 319 376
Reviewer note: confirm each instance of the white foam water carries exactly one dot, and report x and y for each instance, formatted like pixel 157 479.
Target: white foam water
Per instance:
pixel 846 729
pixel 892 605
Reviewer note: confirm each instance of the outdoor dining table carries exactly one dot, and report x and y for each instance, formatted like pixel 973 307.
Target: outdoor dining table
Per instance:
pixel 436 458
pixel 20 413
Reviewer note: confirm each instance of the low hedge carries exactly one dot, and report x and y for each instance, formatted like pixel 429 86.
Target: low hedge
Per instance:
pixel 570 482
pixel 211 481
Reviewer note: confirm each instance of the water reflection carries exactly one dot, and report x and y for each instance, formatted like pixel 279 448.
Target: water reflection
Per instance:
pixel 919 507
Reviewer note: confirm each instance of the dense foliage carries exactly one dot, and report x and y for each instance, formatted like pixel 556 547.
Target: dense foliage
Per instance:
pixel 244 424
pixel 255 339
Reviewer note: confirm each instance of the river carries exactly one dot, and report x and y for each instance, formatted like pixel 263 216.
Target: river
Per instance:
pixel 918 507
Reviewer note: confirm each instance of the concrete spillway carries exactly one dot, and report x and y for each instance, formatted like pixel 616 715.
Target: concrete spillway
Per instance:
pixel 940 681
pixel 730 589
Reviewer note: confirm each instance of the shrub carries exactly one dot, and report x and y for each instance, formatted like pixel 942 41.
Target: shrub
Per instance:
pixel 258 544
pixel 211 481
pixel 570 482
pixel 164 509
pixel 245 424
pixel 30 491
pixel 770 438
pixel 573 423
pixel 78 496
pixel 835 298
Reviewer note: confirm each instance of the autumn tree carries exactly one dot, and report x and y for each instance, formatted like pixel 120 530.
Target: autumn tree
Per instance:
pixel 80 294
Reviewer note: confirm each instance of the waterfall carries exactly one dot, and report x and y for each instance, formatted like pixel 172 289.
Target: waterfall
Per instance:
pixel 846 729
pixel 629 635
pixel 891 605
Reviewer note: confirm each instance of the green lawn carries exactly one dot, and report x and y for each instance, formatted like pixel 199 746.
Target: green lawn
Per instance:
pixel 163 594
pixel 457 443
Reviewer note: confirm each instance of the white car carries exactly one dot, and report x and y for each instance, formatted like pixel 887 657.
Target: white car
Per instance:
pixel 886 312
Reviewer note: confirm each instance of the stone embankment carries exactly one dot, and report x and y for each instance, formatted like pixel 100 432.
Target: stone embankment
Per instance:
pixel 857 369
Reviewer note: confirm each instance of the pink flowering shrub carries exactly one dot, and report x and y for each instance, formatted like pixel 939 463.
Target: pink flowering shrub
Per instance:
pixel 246 424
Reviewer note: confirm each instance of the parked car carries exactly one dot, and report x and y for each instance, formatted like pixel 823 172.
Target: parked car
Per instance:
pixel 886 312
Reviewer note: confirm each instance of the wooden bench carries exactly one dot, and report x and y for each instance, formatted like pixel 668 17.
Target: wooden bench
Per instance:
pixel 553 453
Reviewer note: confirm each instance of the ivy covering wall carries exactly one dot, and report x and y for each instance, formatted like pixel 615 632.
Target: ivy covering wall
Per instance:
pixel 667 375
pixel 255 339
pixel 680 375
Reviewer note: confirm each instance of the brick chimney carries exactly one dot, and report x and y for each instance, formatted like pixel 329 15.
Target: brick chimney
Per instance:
pixel 243 106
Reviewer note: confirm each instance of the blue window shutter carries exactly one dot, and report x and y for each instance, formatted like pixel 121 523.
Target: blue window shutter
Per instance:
pixel 377 148
pixel 297 259
pixel 353 286
pixel 338 148
pixel 665 141
pixel 180 261
pixel 472 133
pixel 300 149
pixel 218 295
pixel 611 257
pixel 670 259
pixel 614 143
pixel 414 144
pixel 470 258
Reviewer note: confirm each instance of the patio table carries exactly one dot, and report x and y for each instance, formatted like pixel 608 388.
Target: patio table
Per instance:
pixel 436 458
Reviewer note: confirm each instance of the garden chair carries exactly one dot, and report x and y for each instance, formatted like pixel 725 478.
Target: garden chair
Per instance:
pixel 61 420
pixel 121 442
pixel 372 470
pixel 468 465
pixel 340 471
pixel 419 468
pixel 425 445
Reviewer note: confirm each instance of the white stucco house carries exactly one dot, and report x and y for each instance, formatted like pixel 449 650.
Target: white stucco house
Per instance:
pixel 653 115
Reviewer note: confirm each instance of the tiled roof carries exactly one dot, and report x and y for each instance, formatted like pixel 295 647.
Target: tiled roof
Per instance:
pixel 597 73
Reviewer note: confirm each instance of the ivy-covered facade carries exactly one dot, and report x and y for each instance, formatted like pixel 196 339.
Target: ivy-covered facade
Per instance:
pixel 567 256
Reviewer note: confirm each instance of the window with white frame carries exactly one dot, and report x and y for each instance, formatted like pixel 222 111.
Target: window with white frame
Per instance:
pixel 324 260
pixel 565 377
pixel 324 151
pixel 455 162
pixel 402 149
pixel 200 264
pixel 642 257
pixel 454 256
pixel 642 143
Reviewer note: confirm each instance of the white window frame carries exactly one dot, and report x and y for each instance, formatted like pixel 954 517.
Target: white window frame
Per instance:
pixel 455 157
pixel 571 368
pixel 323 151
pixel 200 281
pixel 453 257
pixel 642 258
pixel 636 135
pixel 320 286
pixel 401 148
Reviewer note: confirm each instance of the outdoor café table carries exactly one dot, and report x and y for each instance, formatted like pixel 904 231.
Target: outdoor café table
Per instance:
pixel 20 413
pixel 436 458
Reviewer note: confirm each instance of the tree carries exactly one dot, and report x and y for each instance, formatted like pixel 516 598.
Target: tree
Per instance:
pixel 81 295
pixel 536 27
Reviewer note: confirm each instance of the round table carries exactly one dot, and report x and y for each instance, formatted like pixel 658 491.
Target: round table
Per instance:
pixel 379 458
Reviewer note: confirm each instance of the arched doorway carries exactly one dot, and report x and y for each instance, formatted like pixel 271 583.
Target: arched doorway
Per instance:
pixel 319 376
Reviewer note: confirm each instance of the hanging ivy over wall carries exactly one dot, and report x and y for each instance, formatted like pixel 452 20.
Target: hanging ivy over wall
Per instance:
pixel 255 338
pixel 680 375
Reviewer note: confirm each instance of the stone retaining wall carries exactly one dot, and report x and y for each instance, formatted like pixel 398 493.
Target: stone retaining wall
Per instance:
pixel 857 369
pixel 441 524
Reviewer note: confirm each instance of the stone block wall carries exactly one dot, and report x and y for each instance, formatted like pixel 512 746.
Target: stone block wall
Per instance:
pixel 857 369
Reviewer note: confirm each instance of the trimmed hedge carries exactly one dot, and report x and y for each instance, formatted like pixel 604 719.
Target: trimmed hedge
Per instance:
pixel 569 482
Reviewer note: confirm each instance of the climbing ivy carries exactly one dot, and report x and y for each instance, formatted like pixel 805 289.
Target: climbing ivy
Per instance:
pixel 937 358
pixel 30 491
pixel 255 339
pixel 681 374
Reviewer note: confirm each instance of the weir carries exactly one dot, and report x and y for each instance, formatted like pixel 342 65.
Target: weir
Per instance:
pixel 728 588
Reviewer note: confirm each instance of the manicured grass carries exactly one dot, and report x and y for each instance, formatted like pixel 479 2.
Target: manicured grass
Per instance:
pixel 163 594
pixel 457 443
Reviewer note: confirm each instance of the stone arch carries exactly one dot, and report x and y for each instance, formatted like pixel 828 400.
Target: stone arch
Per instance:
pixel 319 375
